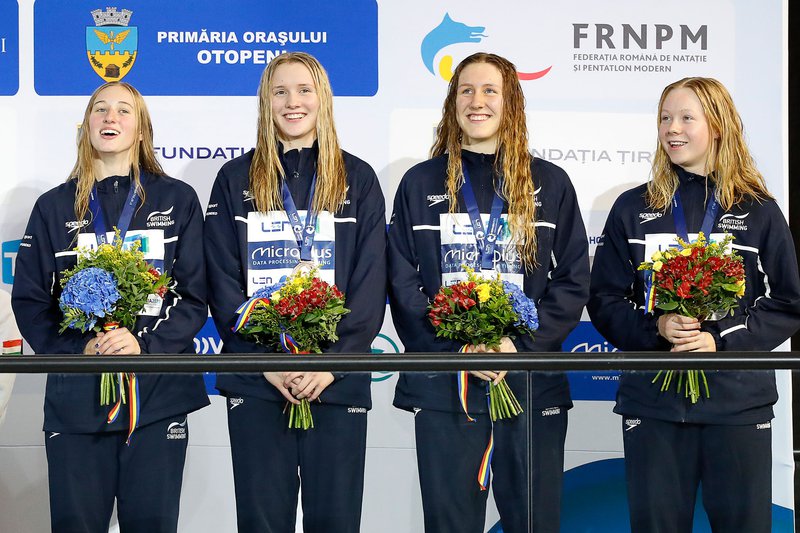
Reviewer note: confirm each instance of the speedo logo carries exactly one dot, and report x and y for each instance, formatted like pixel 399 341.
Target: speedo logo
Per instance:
pixel 160 219
pixel 551 411
pixel 177 430
pixel 766 425
pixel 356 410
pixel 631 423
pixel 649 217
pixel 235 402
pixel 75 225
pixel 437 199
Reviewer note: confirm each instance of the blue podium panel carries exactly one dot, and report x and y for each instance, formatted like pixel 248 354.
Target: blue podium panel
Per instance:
pixel 9 47
pixel 204 47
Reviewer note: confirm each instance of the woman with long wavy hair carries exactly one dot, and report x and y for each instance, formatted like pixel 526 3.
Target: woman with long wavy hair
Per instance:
pixel 116 178
pixel 482 144
pixel 297 168
pixel 704 180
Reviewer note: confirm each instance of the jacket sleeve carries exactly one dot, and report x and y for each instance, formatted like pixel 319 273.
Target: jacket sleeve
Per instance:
pixel 614 309
pixel 406 297
pixel 226 282
pixel 185 309
pixel 32 299
pixel 775 315
pixel 567 290
pixel 366 288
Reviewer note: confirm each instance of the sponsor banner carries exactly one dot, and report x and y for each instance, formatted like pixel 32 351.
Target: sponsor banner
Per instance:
pixel 459 248
pixel 9 47
pixel 273 252
pixel 591 385
pixel 188 48
pixel 207 342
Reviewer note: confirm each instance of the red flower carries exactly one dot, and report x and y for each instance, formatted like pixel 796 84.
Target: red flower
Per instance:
pixel 685 290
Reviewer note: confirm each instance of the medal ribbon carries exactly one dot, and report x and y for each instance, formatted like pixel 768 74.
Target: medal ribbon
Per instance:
pixel 100 233
pixel 303 236
pixel 680 218
pixel 486 239
pixel 99 220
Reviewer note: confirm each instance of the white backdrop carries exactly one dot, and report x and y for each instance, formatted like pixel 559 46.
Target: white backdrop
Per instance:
pixel 593 113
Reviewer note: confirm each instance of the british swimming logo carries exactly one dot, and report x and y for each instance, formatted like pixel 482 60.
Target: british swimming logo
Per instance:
pixel 111 45
pixel 450 32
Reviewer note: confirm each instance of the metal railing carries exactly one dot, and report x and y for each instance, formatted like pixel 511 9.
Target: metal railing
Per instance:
pixel 560 361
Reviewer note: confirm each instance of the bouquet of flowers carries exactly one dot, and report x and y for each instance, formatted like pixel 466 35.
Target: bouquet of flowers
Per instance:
pixel 298 315
pixel 483 311
pixel 106 290
pixel 701 280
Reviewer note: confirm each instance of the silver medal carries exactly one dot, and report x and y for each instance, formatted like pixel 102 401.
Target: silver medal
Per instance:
pixel 303 267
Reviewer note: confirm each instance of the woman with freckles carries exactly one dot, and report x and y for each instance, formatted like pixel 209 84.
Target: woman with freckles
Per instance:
pixel 116 183
pixel 703 179
pixel 482 144
pixel 297 168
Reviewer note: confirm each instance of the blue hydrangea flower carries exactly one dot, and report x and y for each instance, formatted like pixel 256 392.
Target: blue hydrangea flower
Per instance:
pixel 523 306
pixel 92 291
pixel 266 292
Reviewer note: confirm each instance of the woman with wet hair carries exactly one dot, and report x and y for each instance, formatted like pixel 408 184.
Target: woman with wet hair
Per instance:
pixel 116 183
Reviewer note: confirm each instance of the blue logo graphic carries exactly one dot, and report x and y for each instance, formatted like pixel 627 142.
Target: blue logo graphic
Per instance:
pixel 9 48
pixel 448 32
pixel 206 48
pixel 9 259
pixel 592 385
pixel 207 342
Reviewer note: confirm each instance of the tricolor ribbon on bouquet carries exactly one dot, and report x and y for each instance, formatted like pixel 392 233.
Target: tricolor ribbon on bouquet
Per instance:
pixel 133 402
pixel 484 470
pixel 650 293
pixel 245 310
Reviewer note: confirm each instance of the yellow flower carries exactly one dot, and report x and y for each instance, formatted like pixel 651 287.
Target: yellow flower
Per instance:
pixel 740 292
pixel 483 290
pixel 657 266
pixel 686 252
pixel 275 297
pixel 657 256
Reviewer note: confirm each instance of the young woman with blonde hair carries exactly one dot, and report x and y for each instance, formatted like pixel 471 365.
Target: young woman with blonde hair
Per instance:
pixel 540 245
pixel 704 179
pixel 115 182
pixel 297 170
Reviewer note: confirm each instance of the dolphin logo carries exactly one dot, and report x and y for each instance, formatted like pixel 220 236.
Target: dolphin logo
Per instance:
pixel 446 33
pixel 450 32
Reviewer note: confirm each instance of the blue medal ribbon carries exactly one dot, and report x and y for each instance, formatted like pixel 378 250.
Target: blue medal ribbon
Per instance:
pixel 99 220
pixel 680 217
pixel 303 236
pixel 486 239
